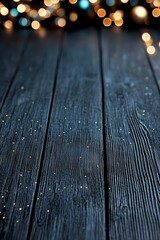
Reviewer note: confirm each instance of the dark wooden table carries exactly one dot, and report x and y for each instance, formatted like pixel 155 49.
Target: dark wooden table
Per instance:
pixel 79 136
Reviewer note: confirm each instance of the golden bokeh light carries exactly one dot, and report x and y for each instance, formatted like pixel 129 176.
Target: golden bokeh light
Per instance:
pixel 156 3
pixel 108 12
pixel 117 15
pixel 61 12
pixel 73 1
pixel 35 25
pixel 61 22
pixel 93 1
pixel 33 13
pixel 73 16
pixel 101 12
pixel 124 1
pixel 8 24
pixel 55 1
pixel 107 22
pixel 151 50
pixel 156 12
pixel 140 12
pixel 21 8
pixel 48 3
pixel 42 12
pixel 4 11
pixel 119 22
pixel 146 37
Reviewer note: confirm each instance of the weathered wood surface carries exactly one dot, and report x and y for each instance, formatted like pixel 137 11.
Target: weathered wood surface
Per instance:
pixel 79 137
pixel 24 120
pixel 70 202
pixel 11 51
pixel 154 60
pixel 132 107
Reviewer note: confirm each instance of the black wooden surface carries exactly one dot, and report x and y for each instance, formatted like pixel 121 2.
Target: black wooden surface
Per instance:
pixel 79 136
pixel 11 51
pixel 24 119
pixel 73 189
pixel 132 138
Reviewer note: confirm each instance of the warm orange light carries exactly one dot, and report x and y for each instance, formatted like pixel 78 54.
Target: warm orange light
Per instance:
pixel 148 43
pixel 35 25
pixel 33 13
pixel 118 15
pixel 21 8
pixel 101 12
pixel 73 1
pixel 48 3
pixel 55 1
pixel 61 12
pixel 124 1
pixel 140 12
pixel 73 16
pixel 111 16
pixel 151 49
pixel 156 3
pixel 146 37
pixel 42 12
pixel 156 12
pixel 61 22
pixel 119 22
pixel 107 22
pixel 28 8
pixel 93 1
pixel 8 24
pixel 4 11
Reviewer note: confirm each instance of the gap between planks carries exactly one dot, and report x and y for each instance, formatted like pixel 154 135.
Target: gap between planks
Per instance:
pixel 45 138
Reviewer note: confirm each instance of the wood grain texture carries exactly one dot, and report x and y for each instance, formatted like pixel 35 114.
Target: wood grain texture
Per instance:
pixel 11 50
pixel 70 201
pixel 154 59
pixel 24 120
pixel 132 107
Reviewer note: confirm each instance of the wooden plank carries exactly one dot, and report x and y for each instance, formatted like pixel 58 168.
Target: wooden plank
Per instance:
pixel 154 59
pixel 24 120
pixel 70 201
pixel 11 49
pixel 132 134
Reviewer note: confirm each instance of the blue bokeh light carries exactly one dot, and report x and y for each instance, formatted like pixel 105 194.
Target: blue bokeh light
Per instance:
pixel 84 4
pixel 24 22
pixel 110 3
pixel 14 12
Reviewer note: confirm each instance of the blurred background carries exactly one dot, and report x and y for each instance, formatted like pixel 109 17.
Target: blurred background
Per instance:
pixel 73 14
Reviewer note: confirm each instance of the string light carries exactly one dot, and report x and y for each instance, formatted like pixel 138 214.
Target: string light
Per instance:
pixel 21 8
pixel 64 13
pixel 101 12
pixel 151 49
pixel 4 11
pixel 107 22
pixel 146 37
pixel 140 14
pixel 8 24
pixel 73 16
pixel 35 25
pixel 140 11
